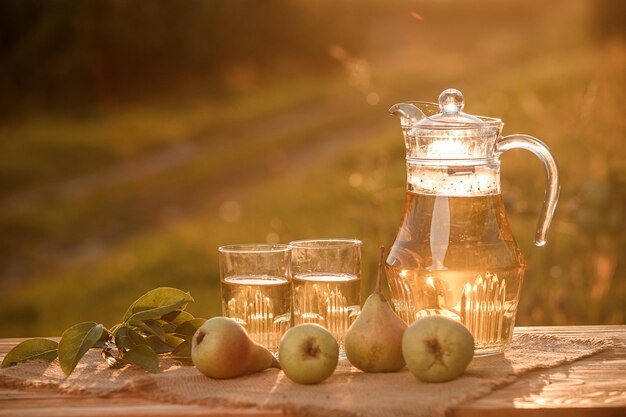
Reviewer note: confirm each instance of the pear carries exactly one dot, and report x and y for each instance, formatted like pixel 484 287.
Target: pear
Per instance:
pixel 374 341
pixel 308 353
pixel 221 349
pixel 437 349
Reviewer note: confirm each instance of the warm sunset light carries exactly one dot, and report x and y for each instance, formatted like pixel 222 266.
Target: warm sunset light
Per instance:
pixel 313 208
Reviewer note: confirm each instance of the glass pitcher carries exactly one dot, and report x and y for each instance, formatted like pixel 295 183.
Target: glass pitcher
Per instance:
pixel 454 254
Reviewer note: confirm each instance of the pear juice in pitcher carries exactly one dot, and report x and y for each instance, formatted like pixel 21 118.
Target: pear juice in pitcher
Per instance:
pixel 456 257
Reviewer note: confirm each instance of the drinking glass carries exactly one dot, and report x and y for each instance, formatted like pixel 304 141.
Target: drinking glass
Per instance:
pixel 256 289
pixel 326 276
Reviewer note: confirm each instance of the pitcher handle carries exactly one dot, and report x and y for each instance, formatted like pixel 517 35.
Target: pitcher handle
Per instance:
pixel 505 143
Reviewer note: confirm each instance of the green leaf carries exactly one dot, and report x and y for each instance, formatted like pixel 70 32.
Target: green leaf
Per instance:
pixel 187 329
pixel 164 346
pixel 149 327
pixel 183 317
pixel 157 303
pixel 127 338
pixel 167 327
pixel 31 349
pixel 173 340
pixel 101 343
pixel 75 342
pixel 171 316
pixel 143 356
pixel 177 317
pixel 182 352
pixel 174 319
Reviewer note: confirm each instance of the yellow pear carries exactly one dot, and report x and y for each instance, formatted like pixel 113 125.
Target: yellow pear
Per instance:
pixel 437 349
pixel 373 343
pixel 221 348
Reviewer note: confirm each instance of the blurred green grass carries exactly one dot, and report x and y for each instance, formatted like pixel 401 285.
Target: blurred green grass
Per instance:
pixel 101 207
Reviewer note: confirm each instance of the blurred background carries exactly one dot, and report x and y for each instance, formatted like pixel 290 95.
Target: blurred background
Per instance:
pixel 137 137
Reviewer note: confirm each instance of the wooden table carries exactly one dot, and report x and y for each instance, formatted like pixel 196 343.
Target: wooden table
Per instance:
pixel 594 386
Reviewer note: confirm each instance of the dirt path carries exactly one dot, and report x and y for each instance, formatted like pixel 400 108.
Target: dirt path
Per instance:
pixel 312 150
pixel 167 158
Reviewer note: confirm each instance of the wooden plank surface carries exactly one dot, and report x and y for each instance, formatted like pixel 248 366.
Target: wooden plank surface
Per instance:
pixel 594 386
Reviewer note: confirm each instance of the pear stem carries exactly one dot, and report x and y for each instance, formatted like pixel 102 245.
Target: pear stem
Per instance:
pixel 380 269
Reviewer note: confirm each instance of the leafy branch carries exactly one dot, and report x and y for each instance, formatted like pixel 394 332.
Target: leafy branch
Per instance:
pixel 155 324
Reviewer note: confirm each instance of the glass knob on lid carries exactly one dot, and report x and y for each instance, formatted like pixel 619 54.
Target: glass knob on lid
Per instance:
pixel 451 101
pixel 451 104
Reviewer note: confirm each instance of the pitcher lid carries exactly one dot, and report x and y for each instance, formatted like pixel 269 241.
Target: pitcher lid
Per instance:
pixel 448 114
pixel 444 131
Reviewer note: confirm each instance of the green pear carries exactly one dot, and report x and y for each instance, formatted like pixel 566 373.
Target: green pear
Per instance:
pixel 308 353
pixel 374 341
pixel 221 349
pixel 437 349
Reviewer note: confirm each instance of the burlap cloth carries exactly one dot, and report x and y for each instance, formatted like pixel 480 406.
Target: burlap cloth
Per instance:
pixel 348 392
